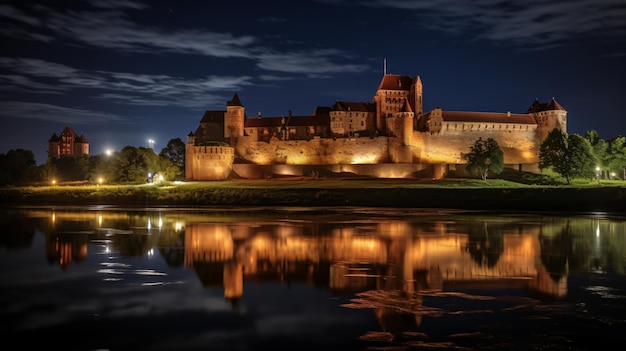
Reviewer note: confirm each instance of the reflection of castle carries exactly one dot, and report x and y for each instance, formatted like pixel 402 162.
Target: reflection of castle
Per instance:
pixel 65 250
pixel 393 130
pixel 347 261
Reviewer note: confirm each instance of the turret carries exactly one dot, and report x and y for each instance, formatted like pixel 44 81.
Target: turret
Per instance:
pixel 400 124
pixel 548 115
pixel 234 119
pixel 416 96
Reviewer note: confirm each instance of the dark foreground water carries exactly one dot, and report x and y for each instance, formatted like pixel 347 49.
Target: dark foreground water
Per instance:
pixel 310 279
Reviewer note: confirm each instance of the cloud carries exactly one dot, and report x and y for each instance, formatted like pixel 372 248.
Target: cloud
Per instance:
pixel 303 62
pixel 39 76
pixel 49 112
pixel 112 27
pixel 532 22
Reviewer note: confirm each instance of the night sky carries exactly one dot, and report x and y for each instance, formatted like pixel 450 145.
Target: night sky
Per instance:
pixel 123 72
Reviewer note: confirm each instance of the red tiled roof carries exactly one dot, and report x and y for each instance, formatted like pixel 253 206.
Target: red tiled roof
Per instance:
pixel 69 130
pixel 395 82
pixel 354 106
pixel 271 122
pixel 548 106
pixel 322 110
pixel 214 116
pixel 488 117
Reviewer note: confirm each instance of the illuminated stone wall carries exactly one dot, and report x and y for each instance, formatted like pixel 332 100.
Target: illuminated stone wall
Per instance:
pixel 314 151
pixel 519 146
pixel 208 162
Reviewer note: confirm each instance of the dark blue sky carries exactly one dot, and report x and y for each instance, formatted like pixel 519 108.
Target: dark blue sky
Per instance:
pixel 122 72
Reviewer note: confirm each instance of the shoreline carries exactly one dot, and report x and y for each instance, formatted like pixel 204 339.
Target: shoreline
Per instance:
pixel 609 199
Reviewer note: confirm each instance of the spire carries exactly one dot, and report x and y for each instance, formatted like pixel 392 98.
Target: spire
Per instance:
pixel 384 66
pixel 406 107
pixel 235 101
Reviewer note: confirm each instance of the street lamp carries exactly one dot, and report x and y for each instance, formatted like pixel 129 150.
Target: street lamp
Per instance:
pixel 151 143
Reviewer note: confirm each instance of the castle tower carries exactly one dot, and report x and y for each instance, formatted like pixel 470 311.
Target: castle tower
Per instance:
pixel 234 119
pixel 53 146
pixel 416 96
pixel 548 116
pixel 189 150
pixel 81 146
pixel 400 124
pixel 389 98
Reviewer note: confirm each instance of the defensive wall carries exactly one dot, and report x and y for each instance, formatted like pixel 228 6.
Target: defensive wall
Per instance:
pixel 208 162
pixel 418 154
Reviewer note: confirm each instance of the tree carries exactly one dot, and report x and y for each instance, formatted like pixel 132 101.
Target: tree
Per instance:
pixel 71 168
pixel 600 149
pixel 569 155
pixel 14 164
pixel 616 156
pixel 485 156
pixel 173 159
pixel 135 165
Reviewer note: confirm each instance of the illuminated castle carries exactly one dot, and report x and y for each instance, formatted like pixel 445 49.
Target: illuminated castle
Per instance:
pixel 390 137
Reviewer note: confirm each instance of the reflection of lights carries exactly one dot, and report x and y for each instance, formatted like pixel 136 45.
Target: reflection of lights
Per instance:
pixel 54 217
pixel 178 226
pixel 160 223
pixel 151 252
pixel 149 224
pixel 107 249
pixel 99 220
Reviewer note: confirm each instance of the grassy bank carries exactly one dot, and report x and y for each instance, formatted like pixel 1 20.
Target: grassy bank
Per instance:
pixel 496 194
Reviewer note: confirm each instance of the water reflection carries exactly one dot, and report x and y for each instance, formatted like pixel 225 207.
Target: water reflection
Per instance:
pixel 395 263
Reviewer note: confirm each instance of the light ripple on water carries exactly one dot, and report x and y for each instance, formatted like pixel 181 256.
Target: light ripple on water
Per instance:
pixel 604 292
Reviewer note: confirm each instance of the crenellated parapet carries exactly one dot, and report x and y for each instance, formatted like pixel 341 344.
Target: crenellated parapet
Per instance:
pixel 209 162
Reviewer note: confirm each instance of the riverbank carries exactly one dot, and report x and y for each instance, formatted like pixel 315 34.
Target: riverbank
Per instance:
pixel 494 195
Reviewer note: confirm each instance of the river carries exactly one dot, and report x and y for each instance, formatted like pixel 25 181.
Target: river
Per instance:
pixel 326 278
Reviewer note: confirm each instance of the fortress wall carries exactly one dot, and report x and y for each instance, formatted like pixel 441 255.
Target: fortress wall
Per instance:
pixel 519 146
pixel 208 162
pixel 314 151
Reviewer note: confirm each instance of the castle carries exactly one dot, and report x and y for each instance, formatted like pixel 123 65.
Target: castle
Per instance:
pixel 67 143
pixel 390 137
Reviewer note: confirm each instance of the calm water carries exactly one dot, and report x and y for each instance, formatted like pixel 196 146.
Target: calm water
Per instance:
pixel 310 279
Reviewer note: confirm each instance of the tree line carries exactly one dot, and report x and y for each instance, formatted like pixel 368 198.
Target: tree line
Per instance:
pixel 129 165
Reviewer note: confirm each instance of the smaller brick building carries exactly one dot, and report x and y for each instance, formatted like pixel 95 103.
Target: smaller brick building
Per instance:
pixel 67 143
